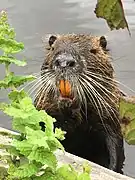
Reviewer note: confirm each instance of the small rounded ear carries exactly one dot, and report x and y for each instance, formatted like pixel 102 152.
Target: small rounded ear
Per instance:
pixel 52 39
pixel 103 42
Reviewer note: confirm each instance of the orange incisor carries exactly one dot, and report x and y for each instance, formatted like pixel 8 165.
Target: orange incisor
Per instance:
pixel 65 88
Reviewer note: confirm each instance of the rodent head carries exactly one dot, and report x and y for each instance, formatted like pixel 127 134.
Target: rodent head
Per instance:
pixel 74 68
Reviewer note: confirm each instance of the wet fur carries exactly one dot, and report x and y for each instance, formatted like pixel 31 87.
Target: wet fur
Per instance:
pixel 88 135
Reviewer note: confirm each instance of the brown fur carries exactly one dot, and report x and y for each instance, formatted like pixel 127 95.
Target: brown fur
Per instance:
pixel 97 60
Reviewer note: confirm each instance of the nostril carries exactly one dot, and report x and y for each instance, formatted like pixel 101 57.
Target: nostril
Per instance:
pixel 71 63
pixel 57 63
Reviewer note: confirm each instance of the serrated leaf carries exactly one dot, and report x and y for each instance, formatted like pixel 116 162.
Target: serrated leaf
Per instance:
pixel 127 111
pixel 23 171
pixel 5 82
pixel 43 156
pixel 48 120
pixel 14 112
pixel 130 137
pixel 3 17
pixel 20 80
pixel 130 133
pixel 6 31
pixel 12 80
pixel 112 11
pixel 3 106
pixel 20 124
pixel 17 96
pixel 84 176
pixel 48 175
pixel 59 134
pixel 7 59
pixel 49 125
pixel 67 173
pixel 10 46
pixel 25 114
pixel 54 144
pixel 26 104
pixel 10 149
pixel 24 146
pixel 37 138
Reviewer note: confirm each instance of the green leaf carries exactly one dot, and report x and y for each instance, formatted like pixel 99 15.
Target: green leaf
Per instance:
pixel 20 80
pixel 12 80
pixel 6 31
pixel 59 134
pixel 48 175
pixel 86 167
pixel 24 147
pixel 112 11
pixel 3 173
pixel 25 114
pixel 127 109
pixel 16 113
pixel 48 124
pixel 127 113
pixel 67 173
pixel 54 144
pixel 43 156
pixel 84 176
pixel 3 106
pixel 20 124
pixel 7 59
pixel 17 96
pixel 23 171
pixel 10 149
pixel 10 46
pixel 3 17
pixel 26 104
pixel 130 136
pixel 5 83
pixel 37 138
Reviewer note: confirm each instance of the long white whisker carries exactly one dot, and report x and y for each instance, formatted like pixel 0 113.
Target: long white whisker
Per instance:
pixel 108 78
pixel 91 93
pixel 38 83
pixel 102 101
pixel 81 94
pixel 46 87
pixel 101 87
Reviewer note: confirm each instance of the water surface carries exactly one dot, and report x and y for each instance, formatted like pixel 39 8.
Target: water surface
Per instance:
pixel 33 19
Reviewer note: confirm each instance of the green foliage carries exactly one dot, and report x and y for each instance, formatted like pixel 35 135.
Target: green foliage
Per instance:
pixel 7 59
pixel 11 80
pixel 127 113
pixel 112 11
pixel 9 46
pixel 32 151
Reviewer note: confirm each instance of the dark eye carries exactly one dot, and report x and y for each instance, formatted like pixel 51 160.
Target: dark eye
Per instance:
pixel 44 67
pixel 94 51
pixel 52 48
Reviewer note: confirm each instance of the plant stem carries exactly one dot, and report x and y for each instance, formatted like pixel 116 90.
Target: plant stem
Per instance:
pixel 7 69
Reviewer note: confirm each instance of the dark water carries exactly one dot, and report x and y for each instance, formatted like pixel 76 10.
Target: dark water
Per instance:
pixel 33 19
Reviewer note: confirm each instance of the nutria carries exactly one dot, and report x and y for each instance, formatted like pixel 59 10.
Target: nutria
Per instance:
pixel 79 89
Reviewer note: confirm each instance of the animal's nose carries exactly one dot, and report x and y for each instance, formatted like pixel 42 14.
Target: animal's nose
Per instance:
pixel 65 61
